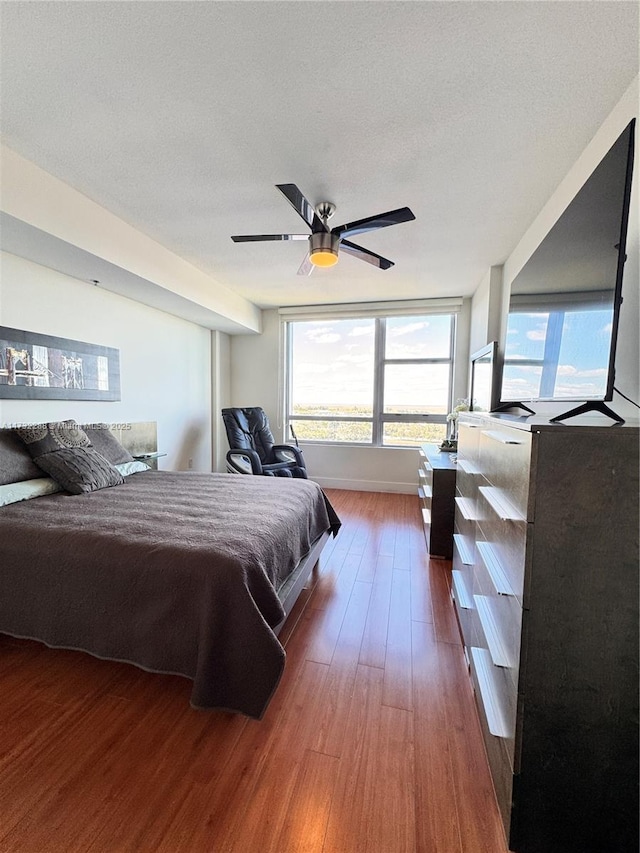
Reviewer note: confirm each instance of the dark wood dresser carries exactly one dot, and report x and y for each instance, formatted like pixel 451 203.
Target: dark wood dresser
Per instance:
pixel 436 490
pixel 545 585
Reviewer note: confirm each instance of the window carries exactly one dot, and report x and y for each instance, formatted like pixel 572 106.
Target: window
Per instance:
pixel 382 381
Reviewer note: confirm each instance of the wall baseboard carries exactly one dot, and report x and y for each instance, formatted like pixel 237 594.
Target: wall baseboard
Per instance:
pixel 366 485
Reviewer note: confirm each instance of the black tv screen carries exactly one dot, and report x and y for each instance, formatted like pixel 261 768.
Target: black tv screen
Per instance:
pixel 565 302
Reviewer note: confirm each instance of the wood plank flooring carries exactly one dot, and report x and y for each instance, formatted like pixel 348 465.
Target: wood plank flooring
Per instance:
pixel 370 744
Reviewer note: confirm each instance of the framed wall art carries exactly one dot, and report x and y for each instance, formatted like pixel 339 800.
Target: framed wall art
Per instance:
pixel 42 367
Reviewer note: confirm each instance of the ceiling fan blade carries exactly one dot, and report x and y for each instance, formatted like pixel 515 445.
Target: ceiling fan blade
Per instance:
pixel 302 206
pixel 252 238
pixel 371 223
pixel 306 267
pixel 365 255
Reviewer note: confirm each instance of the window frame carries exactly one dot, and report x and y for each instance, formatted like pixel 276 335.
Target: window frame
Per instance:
pixel 378 418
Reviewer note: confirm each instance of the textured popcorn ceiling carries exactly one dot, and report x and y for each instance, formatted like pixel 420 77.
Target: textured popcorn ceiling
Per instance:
pixel 180 117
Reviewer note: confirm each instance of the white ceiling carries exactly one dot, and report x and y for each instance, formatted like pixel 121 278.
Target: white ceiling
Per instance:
pixel 180 117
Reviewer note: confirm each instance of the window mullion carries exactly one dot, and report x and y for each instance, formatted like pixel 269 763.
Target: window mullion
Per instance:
pixel 378 380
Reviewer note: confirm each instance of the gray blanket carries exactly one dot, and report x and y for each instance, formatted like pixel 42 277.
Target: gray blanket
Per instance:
pixel 173 571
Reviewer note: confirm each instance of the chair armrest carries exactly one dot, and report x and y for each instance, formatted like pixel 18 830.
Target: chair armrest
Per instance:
pixel 234 457
pixel 285 452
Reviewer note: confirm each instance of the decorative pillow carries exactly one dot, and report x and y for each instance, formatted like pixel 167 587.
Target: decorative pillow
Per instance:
pixel 80 469
pixel 47 438
pixel 11 493
pixel 16 464
pixel 135 467
pixel 107 445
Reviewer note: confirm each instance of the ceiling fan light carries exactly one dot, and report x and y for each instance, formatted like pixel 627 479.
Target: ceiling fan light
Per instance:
pixel 323 249
pixel 323 258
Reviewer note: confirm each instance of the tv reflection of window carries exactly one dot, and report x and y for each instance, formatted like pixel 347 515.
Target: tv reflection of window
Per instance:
pixel 558 350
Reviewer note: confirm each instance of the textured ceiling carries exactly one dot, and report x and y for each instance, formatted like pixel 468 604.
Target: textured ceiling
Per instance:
pixel 180 117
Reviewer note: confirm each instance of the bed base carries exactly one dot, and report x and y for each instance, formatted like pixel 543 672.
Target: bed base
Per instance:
pixel 297 580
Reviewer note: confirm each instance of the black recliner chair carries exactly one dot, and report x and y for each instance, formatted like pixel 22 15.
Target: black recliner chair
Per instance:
pixel 253 448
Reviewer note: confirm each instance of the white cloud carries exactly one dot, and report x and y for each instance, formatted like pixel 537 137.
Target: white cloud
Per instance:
pixel 357 331
pixel 571 370
pixel 538 334
pixel 397 331
pixel 323 336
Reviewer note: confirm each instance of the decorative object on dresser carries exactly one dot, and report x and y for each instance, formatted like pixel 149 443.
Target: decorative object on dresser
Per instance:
pixel 545 585
pixel 43 367
pixel 436 490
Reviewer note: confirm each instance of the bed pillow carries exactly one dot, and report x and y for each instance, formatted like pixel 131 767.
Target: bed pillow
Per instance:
pixel 107 445
pixel 16 464
pixel 80 469
pixel 135 467
pixel 47 438
pixel 11 493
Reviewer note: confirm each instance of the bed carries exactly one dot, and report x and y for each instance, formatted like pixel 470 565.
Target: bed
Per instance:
pixel 177 572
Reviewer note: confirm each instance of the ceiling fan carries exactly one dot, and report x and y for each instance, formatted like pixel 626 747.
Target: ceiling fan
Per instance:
pixel 325 243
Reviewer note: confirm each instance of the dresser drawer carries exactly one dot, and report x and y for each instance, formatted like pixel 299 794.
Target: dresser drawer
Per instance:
pixel 496 747
pixel 506 455
pixel 469 440
pixel 497 691
pixel 466 479
pixel 503 544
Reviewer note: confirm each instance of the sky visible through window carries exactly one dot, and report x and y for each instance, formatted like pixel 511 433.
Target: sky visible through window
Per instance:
pixel 333 364
pixel 583 357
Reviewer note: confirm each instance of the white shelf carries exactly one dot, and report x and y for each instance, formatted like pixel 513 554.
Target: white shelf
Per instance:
pixel 465 601
pixel 467 508
pixel 500 504
pixel 494 568
pixel 426 516
pixel 494 713
pixel 497 648
pixel 461 548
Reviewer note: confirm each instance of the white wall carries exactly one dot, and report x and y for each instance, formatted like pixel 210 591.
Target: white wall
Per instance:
pixel 165 362
pixel 628 353
pixel 49 219
pixel 255 374
pixel 486 310
pixel 220 396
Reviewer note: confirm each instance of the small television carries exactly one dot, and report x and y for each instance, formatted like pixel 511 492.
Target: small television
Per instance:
pixel 482 381
pixel 565 302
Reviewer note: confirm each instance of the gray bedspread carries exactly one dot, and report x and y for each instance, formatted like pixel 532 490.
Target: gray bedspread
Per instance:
pixel 173 571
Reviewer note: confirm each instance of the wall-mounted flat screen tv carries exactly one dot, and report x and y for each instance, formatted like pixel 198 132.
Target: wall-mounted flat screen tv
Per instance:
pixel 565 302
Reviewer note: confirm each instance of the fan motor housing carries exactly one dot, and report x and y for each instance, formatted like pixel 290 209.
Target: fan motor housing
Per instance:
pixel 323 249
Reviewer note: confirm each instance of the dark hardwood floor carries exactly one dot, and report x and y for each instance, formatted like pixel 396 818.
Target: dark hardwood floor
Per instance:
pixel 371 742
